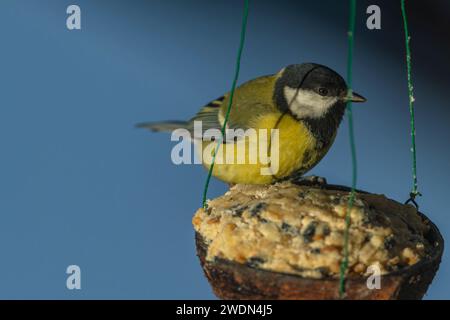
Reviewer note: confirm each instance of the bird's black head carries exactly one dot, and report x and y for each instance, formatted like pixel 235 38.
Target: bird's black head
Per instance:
pixel 312 91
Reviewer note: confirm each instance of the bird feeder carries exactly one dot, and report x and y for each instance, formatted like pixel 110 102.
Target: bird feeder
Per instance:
pixel 284 241
pixel 291 241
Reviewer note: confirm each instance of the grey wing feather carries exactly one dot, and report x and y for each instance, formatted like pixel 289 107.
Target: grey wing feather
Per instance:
pixel 208 116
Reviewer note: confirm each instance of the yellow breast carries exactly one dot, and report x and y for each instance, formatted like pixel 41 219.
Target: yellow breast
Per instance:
pixel 262 157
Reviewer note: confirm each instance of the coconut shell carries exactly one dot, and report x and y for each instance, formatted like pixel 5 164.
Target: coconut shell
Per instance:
pixel 231 280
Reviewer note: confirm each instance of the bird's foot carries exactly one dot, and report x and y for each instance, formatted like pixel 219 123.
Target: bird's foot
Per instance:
pixel 313 181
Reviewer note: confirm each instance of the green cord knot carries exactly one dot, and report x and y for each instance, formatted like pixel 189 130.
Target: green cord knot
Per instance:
pixel 412 198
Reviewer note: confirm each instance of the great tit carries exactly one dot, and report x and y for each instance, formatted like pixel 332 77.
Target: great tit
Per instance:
pixel 305 102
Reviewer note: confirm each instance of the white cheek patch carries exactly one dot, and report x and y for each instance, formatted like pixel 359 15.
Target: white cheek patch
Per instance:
pixel 307 103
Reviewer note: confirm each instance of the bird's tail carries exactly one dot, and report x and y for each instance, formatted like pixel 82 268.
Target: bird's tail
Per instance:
pixel 162 126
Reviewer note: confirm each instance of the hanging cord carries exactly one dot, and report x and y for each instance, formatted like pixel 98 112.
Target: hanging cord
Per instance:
pixel 414 192
pixel 351 199
pixel 230 101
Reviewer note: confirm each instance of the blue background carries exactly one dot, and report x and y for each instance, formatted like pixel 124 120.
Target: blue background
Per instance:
pixel 79 185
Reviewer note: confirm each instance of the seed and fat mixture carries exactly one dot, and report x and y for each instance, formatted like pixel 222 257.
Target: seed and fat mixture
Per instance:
pixel 300 230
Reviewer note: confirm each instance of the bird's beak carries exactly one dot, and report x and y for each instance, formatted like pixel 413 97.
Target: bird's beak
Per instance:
pixel 356 98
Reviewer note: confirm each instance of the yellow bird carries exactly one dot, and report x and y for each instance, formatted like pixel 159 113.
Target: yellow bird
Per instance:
pixel 279 126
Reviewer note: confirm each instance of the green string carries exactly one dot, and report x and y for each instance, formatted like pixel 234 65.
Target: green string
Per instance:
pixel 414 191
pixel 351 199
pixel 230 101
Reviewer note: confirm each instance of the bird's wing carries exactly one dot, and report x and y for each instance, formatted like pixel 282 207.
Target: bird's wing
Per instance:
pixel 208 116
pixel 250 100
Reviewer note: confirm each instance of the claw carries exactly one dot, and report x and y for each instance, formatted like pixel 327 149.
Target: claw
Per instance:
pixel 308 180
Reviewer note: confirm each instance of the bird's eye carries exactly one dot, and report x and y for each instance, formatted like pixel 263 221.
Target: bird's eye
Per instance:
pixel 323 91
